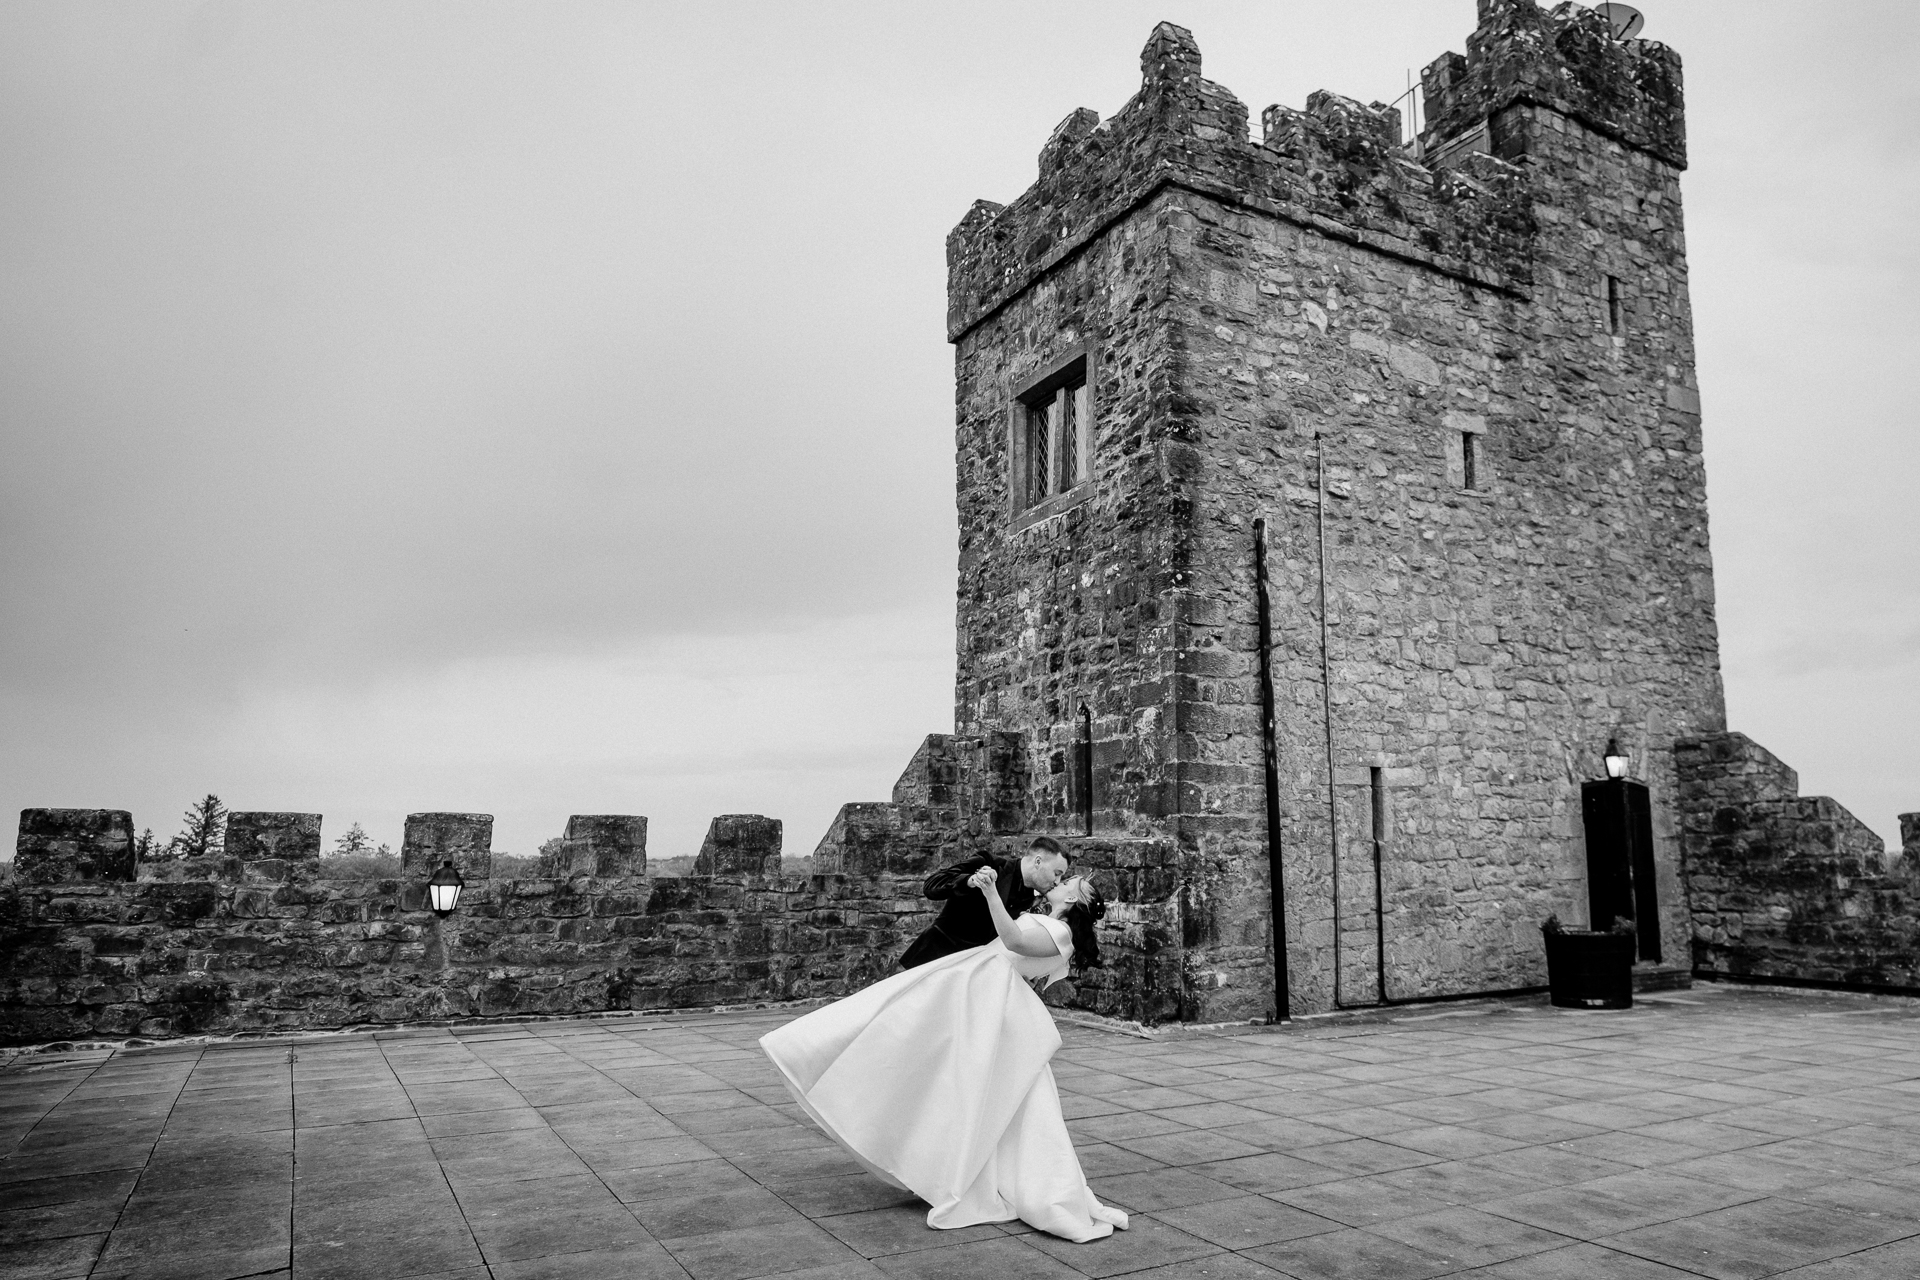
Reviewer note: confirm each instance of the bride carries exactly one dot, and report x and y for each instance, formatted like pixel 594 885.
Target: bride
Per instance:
pixel 937 1080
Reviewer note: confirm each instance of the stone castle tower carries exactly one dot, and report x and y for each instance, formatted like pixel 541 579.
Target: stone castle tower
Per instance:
pixel 1397 443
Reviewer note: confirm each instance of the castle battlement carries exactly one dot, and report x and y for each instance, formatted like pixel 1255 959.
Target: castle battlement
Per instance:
pixel 1336 167
pixel 1458 201
pixel 1564 59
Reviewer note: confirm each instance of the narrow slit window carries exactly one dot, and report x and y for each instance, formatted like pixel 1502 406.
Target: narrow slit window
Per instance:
pixel 1615 320
pixel 1379 781
pixel 1469 479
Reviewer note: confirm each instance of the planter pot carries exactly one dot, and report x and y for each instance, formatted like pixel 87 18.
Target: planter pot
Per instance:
pixel 1587 970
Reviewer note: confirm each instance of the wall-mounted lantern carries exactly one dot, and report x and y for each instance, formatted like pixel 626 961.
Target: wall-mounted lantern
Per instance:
pixel 444 889
pixel 1617 760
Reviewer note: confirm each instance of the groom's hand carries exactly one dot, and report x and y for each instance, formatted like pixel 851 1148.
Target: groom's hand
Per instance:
pixel 984 879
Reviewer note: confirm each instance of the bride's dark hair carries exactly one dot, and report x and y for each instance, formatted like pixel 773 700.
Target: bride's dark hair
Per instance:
pixel 1080 917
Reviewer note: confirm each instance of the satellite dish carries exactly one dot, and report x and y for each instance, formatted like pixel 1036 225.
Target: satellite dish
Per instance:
pixel 1623 20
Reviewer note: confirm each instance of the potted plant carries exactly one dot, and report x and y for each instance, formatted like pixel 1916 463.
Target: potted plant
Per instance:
pixel 1590 968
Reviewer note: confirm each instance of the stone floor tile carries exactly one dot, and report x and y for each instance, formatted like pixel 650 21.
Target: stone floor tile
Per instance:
pixel 1358 1156
pixel 647 1261
pixel 1468 1237
pixel 1359 1202
pixel 57 1259
pixel 1350 1255
pixel 518 1220
pixel 1247 1221
pixel 73 1218
pixel 1104 1160
pixel 1212 1266
pixel 1579 1262
pixel 191 1161
pixel 674 1104
pixel 1122 1124
pixel 454 1123
pixel 1147 1242
pixel 1160 1189
pixel 1870 1198
pixel 876 1233
pixel 1268 1172
pixel 106 1184
pixel 844 1193
pixel 979 1260
pixel 1077 1106
pixel 1754 1171
pixel 1154 1098
pixel 1193 1146
pixel 1287 1133
pixel 773 1168
pixel 755 1117
pixel 1550 1165
pixel 103 1156
pixel 670 1218
pixel 1453 1142
pixel 1808 1230
pixel 682 1178
pixel 1231 1088
pixel 746 1252
pixel 1708 1135
pixel 464 1095
pixel 393 1236
pixel 785 1137
pixel 1214 1115
pixel 1364 1122
pixel 1698 1248
pixel 1897 1261
pixel 167 1238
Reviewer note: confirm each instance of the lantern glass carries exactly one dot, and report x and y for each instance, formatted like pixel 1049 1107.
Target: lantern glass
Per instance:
pixel 1616 760
pixel 443 891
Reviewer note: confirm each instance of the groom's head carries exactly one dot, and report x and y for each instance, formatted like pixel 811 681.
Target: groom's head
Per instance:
pixel 1045 864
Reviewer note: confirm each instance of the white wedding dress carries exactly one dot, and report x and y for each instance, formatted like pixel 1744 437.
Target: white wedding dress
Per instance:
pixel 937 1080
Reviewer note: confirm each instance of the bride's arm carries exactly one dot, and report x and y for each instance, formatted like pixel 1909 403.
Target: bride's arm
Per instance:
pixel 1023 937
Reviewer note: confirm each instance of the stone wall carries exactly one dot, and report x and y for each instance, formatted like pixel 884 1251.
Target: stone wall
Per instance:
pixel 1791 887
pixel 149 958
pixel 260 940
pixel 263 942
pixel 1310 328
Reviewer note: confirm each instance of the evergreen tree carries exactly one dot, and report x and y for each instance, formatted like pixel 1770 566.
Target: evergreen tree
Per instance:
pixel 148 848
pixel 205 833
pixel 355 841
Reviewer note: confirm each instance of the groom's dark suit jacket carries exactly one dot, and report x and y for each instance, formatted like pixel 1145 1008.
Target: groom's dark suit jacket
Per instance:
pixel 964 922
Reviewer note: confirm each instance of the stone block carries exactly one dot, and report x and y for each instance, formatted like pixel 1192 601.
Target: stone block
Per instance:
pixel 607 845
pixel 56 846
pixel 273 846
pixel 860 841
pixel 740 844
pixel 1910 835
pixel 465 839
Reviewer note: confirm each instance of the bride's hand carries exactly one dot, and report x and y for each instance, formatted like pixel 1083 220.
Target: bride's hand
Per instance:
pixel 984 879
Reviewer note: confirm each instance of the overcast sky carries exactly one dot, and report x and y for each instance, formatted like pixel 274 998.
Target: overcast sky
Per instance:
pixel 540 409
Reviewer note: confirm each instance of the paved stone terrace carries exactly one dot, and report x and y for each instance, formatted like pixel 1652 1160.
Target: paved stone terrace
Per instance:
pixel 1720 1132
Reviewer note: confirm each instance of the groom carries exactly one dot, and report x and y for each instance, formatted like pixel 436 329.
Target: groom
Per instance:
pixel 964 921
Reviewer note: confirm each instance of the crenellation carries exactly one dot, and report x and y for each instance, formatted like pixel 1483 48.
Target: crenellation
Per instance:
pixel 59 845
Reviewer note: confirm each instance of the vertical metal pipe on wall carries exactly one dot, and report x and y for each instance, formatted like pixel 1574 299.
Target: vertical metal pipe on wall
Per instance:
pixel 1378 776
pixel 1086 767
pixel 1326 703
pixel 1270 752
